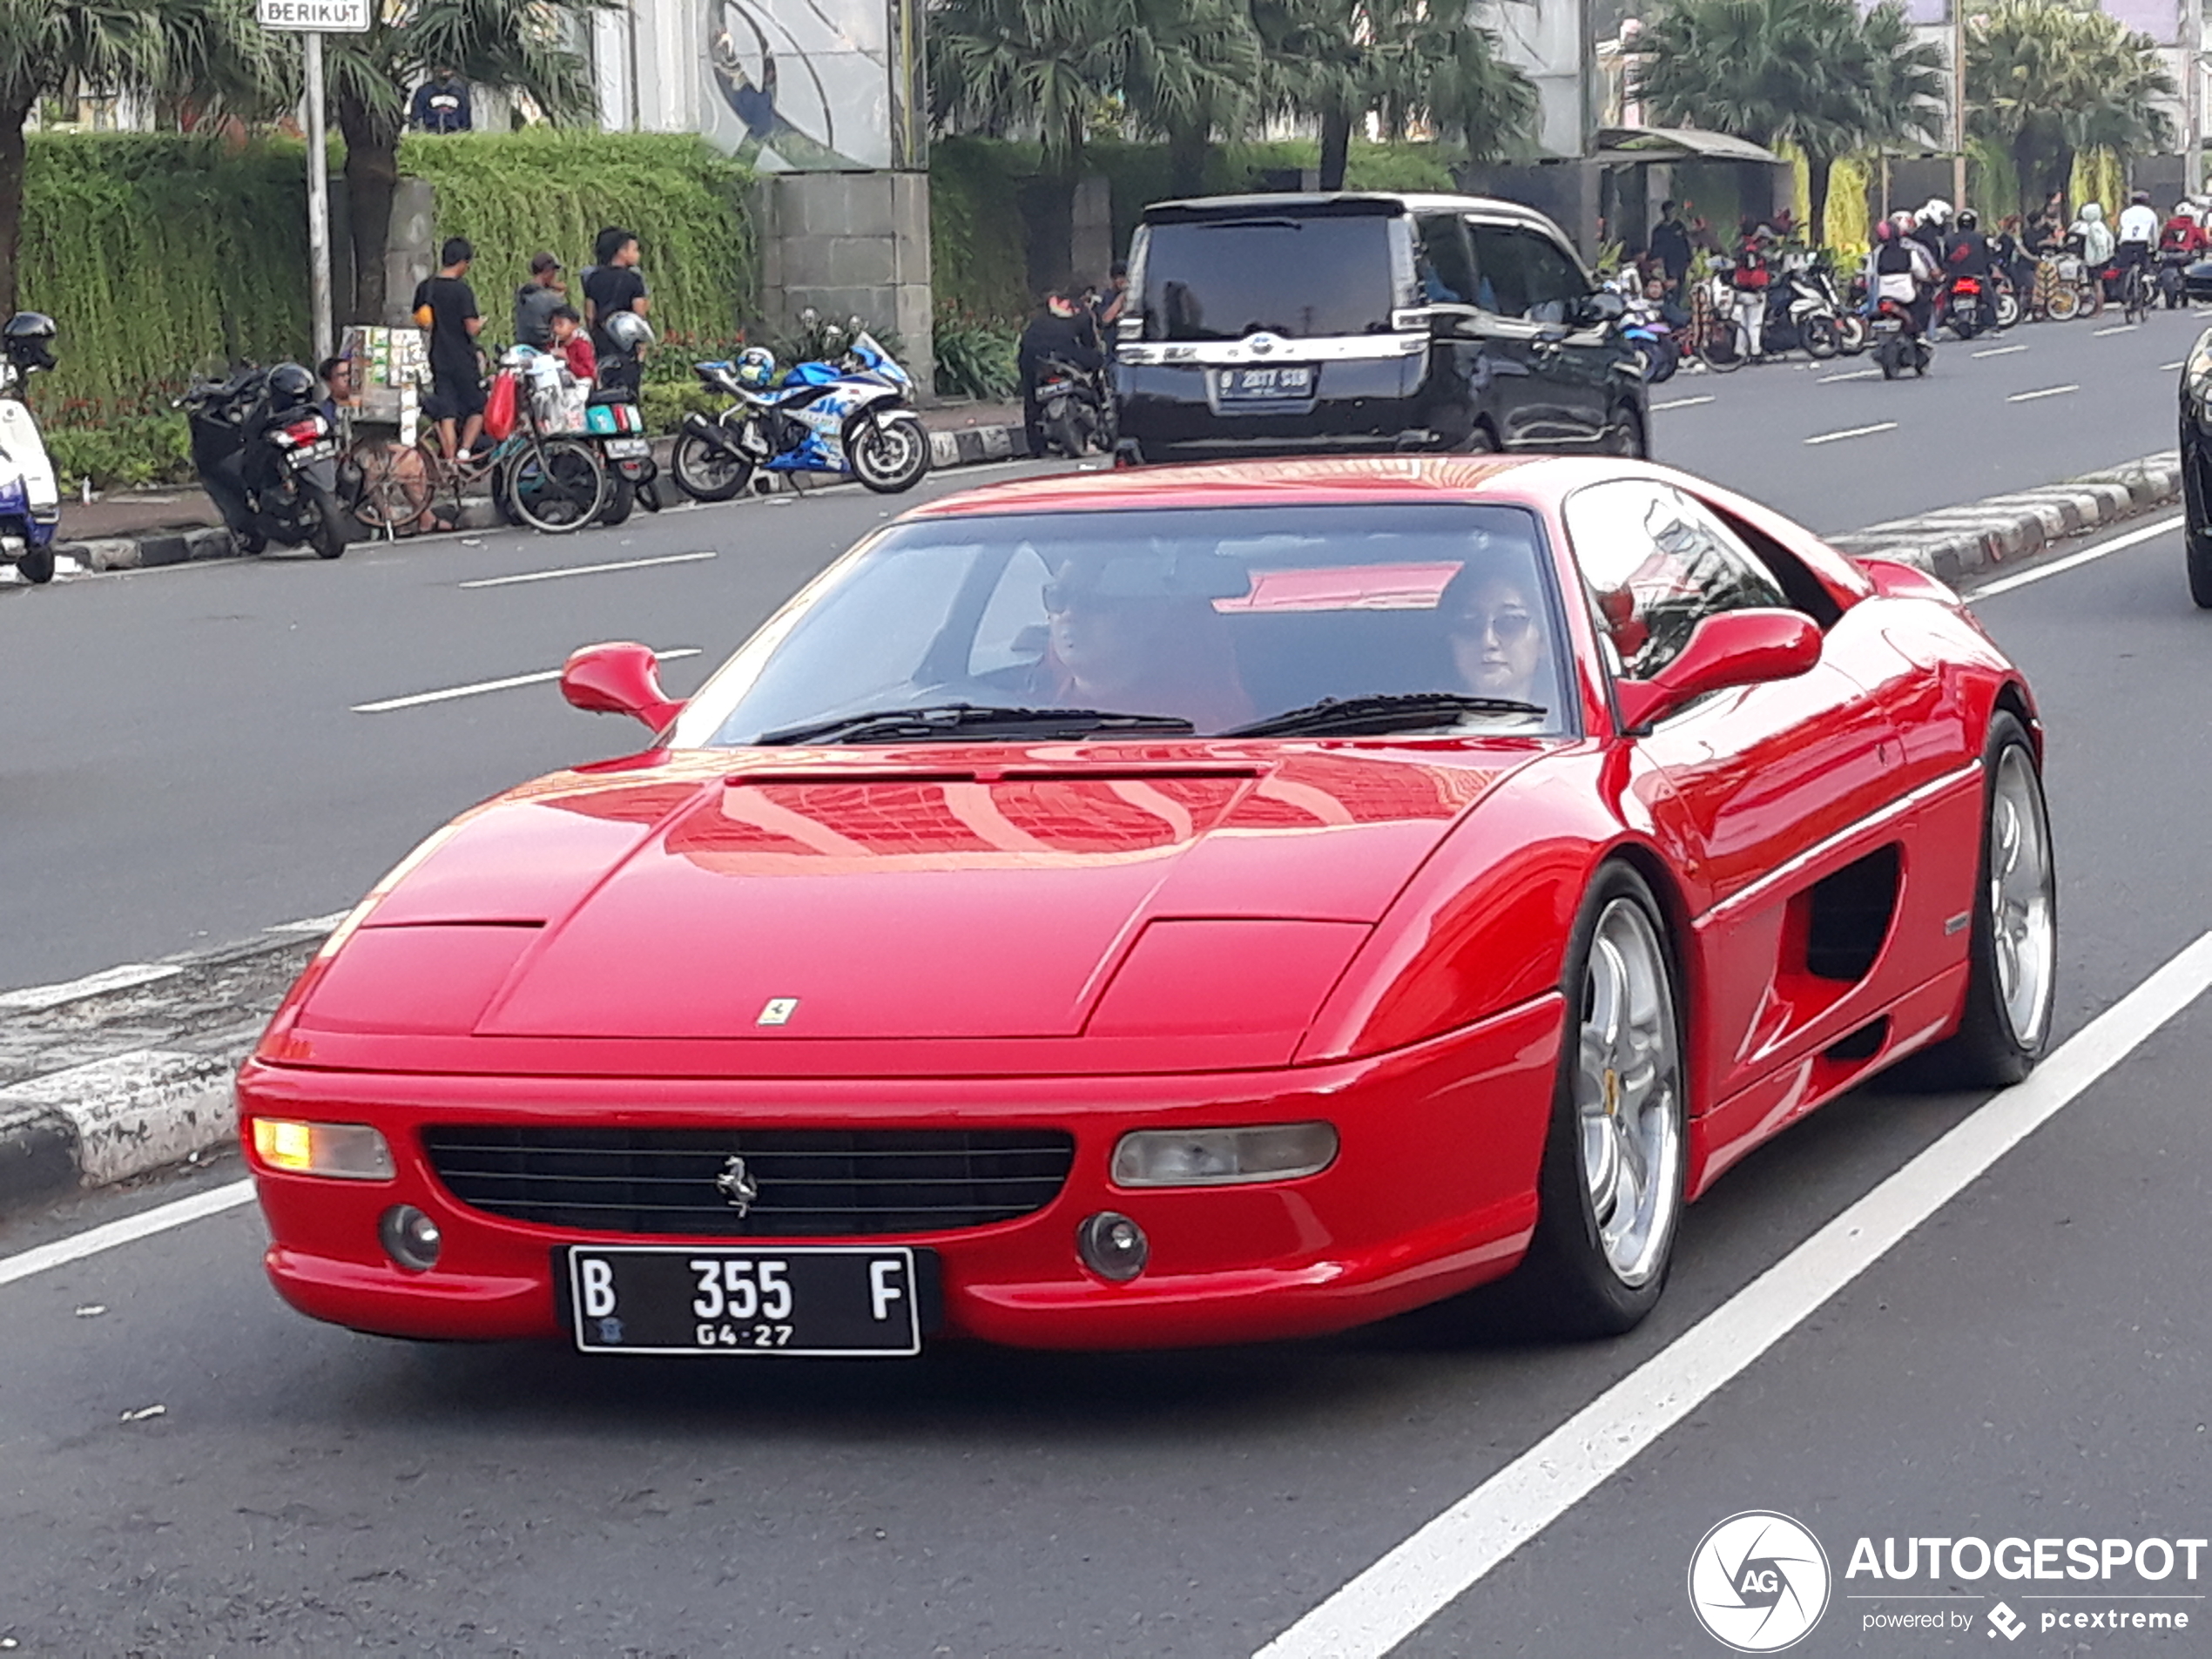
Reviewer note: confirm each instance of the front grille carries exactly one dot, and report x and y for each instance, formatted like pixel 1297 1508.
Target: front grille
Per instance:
pixel 813 1183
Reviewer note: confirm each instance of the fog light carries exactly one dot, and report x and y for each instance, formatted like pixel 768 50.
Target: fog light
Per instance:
pixel 1220 1158
pixel 410 1237
pixel 1113 1247
pixel 347 1152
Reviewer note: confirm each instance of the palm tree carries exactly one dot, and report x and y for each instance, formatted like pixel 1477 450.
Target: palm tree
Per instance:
pixel 1187 69
pixel 2045 79
pixel 211 50
pixel 508 45
pixel 1340 60
pixel 1813 72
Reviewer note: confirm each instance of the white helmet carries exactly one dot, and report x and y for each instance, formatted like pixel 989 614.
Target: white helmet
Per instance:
pixel 1937 212
pixel 628 331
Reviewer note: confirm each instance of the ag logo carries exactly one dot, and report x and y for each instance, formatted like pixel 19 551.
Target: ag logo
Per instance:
pixel 1758 1582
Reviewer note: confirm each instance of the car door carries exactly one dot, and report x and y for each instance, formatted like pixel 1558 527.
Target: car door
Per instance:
pixel 1510 337
pixel 1566 392
pixel 1782 794
pixel 1462 369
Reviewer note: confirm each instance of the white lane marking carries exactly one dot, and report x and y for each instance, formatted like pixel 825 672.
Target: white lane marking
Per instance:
pixel 130 1229
pixel 1393 1598
pixel 1854 432
pixel 1854 374
pixel 588 570
pixel 37 999
pixel 2089 555
pixel 2117 329
pixel 310 924
pixel 2047 391
pixel 2000 351
pixel 417 699
pixel 1681 403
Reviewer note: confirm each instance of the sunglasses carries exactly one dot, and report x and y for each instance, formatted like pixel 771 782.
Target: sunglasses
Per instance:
pixel 1508 627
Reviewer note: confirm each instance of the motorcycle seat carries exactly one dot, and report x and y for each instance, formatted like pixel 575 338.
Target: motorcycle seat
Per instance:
pixel 603 395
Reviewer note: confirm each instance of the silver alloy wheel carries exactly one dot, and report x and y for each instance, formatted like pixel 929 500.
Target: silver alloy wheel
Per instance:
pixel 1627 1087
pixel 2022 936
pixel 894 452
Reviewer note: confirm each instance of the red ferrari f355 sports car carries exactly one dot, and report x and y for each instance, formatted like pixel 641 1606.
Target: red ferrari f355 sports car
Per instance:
pixel 1175 907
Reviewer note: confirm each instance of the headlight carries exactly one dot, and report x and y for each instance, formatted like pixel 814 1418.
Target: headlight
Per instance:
pixel 347 1152
pixel 1219 1158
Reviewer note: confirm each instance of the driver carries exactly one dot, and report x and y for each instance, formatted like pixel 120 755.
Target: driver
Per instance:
pixel 1124 639
pixel 1494 619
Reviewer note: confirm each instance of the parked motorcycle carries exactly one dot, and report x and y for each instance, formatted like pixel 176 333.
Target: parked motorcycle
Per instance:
pixel 846 418
pixel 614 424
pixel 1897 346
pixel 268 459
pixel 30 499
pixel 1644 326
pixel 1803 312
pixel 1073 404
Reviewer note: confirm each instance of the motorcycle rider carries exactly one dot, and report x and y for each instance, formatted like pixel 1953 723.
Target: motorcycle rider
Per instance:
pixel 1930 225
pixel 2181 241
pixel 1966 252
pixel 1059 329
pixel 1899 269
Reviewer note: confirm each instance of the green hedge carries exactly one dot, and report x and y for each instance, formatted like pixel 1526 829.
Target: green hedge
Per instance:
pixel 980 191
pixel 156 254
pixel 512 194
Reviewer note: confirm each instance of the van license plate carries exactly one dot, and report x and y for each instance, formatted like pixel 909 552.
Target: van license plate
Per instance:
pixel 1272 383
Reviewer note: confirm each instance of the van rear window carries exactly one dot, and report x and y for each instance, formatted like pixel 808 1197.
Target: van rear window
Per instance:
pixel 1301 278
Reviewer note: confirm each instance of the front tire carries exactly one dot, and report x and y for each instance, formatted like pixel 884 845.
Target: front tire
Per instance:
pixel 2196 527
pixel 1624 436
pixel 1821 339
pixel 889 453
pixel 1610 1193
pixel 2063 304
pixel 2012 952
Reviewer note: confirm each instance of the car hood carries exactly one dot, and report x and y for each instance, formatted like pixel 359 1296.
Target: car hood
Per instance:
pixel 879 897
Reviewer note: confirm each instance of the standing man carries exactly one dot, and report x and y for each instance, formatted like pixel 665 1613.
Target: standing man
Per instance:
pixel 440 103
pixel 1670 244
pixel 445 305
pixel 613 285
pixel 1058 330
pixel 536 300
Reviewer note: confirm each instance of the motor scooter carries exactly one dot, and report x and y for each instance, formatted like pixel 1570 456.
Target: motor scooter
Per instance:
pixel 268 458
pixel 30 496
pixel 1897 345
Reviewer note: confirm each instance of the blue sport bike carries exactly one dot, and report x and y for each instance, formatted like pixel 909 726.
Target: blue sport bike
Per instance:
pixel 847 417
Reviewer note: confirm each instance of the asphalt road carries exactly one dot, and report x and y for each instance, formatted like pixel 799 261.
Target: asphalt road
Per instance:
pixel 2033 1362
pixel 185 761
pixel 181 762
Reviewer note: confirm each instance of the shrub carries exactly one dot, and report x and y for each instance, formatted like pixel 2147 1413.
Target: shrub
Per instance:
pixel 976 357
pixel 124 452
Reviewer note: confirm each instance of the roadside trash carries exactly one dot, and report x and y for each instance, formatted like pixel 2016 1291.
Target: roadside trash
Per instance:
pixel 92 1310
pixel 144 1412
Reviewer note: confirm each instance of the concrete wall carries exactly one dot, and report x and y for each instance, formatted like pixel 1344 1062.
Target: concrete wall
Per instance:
pixel 850 244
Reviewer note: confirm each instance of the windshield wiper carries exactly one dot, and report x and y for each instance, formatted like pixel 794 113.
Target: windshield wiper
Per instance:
pixel 944 721
pixel 1399 711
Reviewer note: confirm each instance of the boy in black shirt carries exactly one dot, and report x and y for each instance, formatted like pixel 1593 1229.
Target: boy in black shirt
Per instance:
pixel 445 305
pixel 614 284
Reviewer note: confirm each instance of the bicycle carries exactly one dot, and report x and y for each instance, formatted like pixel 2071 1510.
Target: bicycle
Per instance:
pixel 2134 292
pixel 403 488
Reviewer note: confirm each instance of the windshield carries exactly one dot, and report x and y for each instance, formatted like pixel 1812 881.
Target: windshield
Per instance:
pixel 1301 278
pixel 1222 617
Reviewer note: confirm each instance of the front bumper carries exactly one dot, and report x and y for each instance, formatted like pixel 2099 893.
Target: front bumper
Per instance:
pixel 1432 1192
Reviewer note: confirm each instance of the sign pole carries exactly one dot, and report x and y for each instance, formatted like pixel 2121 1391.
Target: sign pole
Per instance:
pixel 318 201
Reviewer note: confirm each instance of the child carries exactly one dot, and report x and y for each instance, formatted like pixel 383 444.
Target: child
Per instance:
pixel 574 345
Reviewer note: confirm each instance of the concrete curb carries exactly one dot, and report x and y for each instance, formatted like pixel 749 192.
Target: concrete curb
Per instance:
pixel 152 549
pixel 128 1072
pixel 1959 542
pixel 124 1071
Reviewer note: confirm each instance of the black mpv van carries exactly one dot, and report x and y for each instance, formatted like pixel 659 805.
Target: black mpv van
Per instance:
pixel 1302 324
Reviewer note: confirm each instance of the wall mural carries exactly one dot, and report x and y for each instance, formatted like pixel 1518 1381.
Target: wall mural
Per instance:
pixel 802 86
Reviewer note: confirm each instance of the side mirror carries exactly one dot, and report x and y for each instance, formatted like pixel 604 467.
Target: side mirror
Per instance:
pixel 621 678
pixel 1734 648
pixel 1602 309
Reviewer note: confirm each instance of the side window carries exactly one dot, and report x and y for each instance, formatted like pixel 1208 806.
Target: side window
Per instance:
pixel 1445 264
pixel 1011 631
pixel 1501 287
pixel 1657 563
pixel 1555 282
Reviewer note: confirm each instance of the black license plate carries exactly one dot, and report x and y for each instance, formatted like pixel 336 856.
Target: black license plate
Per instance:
pixel 1262 385
pixel 821 1301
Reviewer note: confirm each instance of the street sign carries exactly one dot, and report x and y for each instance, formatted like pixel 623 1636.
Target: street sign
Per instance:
pixel 314 16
